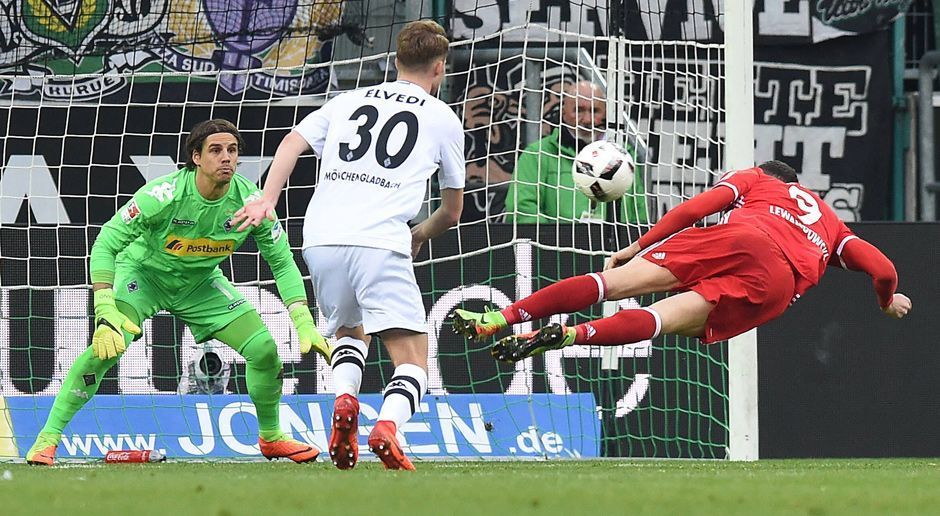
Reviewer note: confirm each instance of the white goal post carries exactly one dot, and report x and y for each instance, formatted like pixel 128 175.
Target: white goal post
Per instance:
pixel 739 144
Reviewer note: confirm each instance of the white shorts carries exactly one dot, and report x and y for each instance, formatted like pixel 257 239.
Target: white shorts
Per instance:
pixel 367 286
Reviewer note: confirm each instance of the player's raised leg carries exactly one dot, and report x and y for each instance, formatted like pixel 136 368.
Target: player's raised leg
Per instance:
pixel 348 363
pixel 682 314
pixel 263 375
pixel 409 352
pixel 636 278
pixel 568 295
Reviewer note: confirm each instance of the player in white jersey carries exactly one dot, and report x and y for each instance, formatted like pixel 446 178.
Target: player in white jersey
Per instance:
pixel 378 146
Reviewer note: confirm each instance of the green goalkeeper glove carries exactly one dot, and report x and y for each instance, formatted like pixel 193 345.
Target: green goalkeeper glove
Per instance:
pixel 307 332
pixel 108 340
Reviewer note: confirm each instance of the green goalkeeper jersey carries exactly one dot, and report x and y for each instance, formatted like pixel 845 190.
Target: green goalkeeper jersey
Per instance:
pixel 172 232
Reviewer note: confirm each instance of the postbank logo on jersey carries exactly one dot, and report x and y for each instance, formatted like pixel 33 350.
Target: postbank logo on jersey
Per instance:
pixel 205 247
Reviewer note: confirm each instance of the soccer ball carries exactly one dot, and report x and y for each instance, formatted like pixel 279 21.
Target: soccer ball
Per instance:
pixel 602 171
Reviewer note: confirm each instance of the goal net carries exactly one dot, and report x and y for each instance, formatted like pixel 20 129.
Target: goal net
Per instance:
pixel 95 101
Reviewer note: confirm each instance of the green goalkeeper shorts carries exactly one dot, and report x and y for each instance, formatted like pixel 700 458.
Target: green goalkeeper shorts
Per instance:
pixel 206 308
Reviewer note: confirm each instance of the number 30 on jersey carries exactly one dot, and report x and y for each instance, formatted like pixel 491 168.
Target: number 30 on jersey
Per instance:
pixel 364 131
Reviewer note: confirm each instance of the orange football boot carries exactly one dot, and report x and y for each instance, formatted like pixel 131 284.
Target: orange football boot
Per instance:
pixel 288 449
pixel 384 444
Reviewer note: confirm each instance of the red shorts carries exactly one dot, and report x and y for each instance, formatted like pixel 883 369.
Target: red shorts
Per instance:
pixel 736 267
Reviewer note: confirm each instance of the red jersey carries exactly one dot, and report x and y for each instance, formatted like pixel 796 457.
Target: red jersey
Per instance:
pixel 805 228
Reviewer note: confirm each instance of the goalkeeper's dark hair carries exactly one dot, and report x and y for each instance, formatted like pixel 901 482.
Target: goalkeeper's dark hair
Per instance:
pixel 780 170
pixel 202 130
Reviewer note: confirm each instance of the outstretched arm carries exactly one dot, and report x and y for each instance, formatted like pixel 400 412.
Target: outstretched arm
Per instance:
pixel 858 255
pixel 285 159
pixel 676 219
pixel 309 134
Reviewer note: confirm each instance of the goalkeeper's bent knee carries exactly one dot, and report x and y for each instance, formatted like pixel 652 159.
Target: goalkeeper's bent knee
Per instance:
pixel 260 351
pixel 251 339
pixel 264 381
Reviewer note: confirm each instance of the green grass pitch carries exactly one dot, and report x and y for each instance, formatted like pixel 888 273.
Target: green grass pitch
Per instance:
pixel 814 487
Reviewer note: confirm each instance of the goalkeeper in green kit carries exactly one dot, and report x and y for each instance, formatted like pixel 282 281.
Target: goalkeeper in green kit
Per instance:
pixel 162 251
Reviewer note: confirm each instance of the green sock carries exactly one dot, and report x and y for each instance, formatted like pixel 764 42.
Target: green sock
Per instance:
pixel 250 338
pixel 79 385
pixel 264 389
pixel 44 440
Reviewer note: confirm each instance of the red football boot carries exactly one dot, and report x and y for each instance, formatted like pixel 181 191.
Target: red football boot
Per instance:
pixel 384 444
pixel 344 438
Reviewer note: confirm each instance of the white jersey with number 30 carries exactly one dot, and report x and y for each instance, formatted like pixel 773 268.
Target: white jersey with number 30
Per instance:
pixel 378 146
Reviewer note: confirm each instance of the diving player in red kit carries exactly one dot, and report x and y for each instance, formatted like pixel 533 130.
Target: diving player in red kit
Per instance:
pixel 774 243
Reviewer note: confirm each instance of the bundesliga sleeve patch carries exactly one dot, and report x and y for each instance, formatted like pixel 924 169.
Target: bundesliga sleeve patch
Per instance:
pixel 276 231
pixel 129 212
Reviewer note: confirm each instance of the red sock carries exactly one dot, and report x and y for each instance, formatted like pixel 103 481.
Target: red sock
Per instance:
pixel 566 296
pixel 624 327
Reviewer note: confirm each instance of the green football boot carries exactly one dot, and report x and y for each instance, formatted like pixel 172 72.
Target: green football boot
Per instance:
pixel 477 326
pixel 517 347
